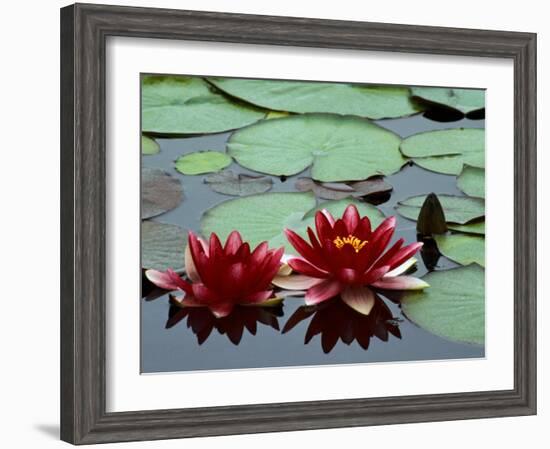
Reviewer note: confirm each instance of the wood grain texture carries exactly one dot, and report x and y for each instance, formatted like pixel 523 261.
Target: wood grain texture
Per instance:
pixel 83 32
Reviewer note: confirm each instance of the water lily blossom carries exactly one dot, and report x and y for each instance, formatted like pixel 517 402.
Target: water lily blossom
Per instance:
pixel 221 277
pixel 345 257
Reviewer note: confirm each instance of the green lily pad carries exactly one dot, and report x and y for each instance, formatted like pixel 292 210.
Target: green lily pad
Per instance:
pixel 160 192
pixel 476 227
pixel 472 181
pixel 229 183
pixel 202 162
pixel 190 105
pixel 462 248
pixel 257 217
pixel 162 246
pixel 375 102
pixel 149 146
pixel 453 307
pixel 457 209
pixel 338 148
pixel 463 100
pixel 446 151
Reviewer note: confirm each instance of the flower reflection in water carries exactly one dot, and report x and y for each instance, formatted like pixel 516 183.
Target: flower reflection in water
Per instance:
pixel 335 320
pixel 202 322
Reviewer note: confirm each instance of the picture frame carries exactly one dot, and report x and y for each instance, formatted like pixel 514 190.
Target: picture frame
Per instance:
pixel 84 29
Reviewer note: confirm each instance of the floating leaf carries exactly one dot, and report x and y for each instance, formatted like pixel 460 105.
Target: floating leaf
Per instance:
pixel 202 162
pixel 431 218
pixel 160 192
pixel 189 105
pixel 338 190
pixel 447 150
pixel 462 248
pixel 149 146
pixel 475 227
pixel 257 217
pixel 338 148
pixel 453 306
pixel 162 246
pixel 464 100
pixel 230 183
pixel 472 181
pixel 457 209
pixel 375 102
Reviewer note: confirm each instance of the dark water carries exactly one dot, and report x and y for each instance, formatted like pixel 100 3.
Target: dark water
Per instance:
pixel 177 348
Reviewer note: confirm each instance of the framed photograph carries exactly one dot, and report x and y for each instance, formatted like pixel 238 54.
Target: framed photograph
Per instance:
pixel 274 223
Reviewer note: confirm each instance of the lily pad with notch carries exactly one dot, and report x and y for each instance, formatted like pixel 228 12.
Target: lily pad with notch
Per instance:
pixel 371 101
pixel 337 148
pixel 447 150
pixel 257 217
pixel 176 105
pixel 472 181
pixel 463 100
pixel 453 307
pixel 462 248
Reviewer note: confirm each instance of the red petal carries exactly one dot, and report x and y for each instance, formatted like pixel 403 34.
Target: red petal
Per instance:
pixel 388 223
pixel 388 255
pixel 303 267
pixel 375 274
pixel 351 218
pixel 327 289
pixel 221 310
pixel 363 229
pixel 376 247
pixel 400 283
pixel 269 270
pixel 306 251
pixel 168 280
pixel 404 254
pixel 258 297
pixel 348 275
pixel 190 267
pixel 296 282
pixel 359 298
pixel 243 252
pixel 313 239
pixel 258 255
pixel 203 294
pixel 323 227
pixel 215 248
pixel 198 254
pixel 329 216
pixel 160 279
pixel 233 243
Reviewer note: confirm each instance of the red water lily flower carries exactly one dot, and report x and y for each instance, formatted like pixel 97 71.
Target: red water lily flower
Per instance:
pixel 222 277
pixel 345 257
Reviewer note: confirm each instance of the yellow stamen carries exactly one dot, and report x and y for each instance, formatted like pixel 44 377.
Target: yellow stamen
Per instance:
pixel 356 243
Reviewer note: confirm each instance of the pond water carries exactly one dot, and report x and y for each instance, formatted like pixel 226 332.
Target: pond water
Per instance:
pixel 169 340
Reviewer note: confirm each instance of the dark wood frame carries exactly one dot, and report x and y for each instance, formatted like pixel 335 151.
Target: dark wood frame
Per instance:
pixel 84 29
